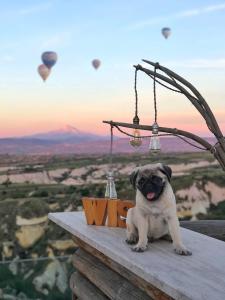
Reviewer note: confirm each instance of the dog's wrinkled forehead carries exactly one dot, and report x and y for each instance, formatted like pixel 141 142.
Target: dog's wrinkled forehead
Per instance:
pixel 147 173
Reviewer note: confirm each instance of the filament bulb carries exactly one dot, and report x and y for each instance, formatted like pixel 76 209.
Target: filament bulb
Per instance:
pixel 136 141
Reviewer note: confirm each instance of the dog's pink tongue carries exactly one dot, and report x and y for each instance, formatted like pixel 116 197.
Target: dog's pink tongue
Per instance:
pixel 150 196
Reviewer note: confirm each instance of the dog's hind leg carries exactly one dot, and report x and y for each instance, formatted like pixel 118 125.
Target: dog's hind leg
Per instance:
pixel 174 230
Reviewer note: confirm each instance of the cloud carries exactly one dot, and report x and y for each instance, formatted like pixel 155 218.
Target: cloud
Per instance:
pixel 60 39
pixel 5 59
pixel 26 11
pixel 180 15
pixel 218 63
pixel 35 8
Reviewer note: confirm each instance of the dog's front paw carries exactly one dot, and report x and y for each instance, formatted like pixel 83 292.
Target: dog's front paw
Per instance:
pixel 139 248
pixel 130 242
pixel 132 239
pixel 182 251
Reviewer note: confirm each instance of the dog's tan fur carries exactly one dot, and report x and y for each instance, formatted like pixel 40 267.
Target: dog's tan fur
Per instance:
pixel 150 220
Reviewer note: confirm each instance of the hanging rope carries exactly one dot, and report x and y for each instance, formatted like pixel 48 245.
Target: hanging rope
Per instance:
pixel 136 118
pixel 154 93
pixel 136 94
pixel 111 145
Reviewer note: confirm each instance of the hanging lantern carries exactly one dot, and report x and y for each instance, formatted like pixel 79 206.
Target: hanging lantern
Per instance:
pixel 110 191
pixel 136 141
pixel 154 145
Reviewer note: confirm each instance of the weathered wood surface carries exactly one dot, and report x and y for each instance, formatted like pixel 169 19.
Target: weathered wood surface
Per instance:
pixel 213 228
pixel 140 283
pixel 197 277
pixel 84 289
pixel 109 282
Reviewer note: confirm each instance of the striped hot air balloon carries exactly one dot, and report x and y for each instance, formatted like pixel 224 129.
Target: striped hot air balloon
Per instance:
pixel 49 58
pixel 43 71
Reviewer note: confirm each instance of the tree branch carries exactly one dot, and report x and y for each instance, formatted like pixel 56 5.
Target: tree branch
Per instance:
pixel 215 127
pixel 193 100
pixel 175 131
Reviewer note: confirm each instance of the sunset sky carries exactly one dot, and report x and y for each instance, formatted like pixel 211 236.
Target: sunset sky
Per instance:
pixel 120 34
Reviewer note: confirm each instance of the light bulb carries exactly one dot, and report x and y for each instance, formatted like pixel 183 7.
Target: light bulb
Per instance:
pixel 154 145
pixel 136 140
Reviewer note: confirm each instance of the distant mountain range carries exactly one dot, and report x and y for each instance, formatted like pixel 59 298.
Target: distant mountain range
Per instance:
pixel 67 134
pixel 72 140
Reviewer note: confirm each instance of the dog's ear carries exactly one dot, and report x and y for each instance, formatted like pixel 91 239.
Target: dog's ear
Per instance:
pixel 133 177
pixel 167 171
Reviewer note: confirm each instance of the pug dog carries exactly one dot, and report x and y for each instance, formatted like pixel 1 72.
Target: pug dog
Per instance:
pixel 154 215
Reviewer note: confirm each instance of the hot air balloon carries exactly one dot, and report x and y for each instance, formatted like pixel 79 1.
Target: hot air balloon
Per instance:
pixel 166 32
pixel 96 63
pixel 49 58
pixel 43 71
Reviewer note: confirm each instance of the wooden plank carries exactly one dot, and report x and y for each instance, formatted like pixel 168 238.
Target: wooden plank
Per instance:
pixel 197 277
pixel 109 282
pixel 84 289
pixel 213 228
pixel 140 283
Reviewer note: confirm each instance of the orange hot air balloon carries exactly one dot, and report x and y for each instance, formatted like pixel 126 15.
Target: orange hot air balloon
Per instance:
pixel 43 71
pixel 96 63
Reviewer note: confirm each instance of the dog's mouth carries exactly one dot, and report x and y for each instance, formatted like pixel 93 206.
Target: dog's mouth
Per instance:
pixel 151 188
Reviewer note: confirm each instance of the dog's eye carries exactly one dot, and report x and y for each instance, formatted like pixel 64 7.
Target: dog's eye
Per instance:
pixel 142 181
pixel 156 179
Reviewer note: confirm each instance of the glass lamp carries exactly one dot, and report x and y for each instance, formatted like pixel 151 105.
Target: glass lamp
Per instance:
pixel 154 145
pixel 136 140
pixel 110 191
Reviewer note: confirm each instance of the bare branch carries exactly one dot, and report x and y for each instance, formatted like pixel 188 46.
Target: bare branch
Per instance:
pixel 193 100
pixel 215 127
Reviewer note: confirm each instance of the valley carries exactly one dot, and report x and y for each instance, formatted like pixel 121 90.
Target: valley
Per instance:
pixel 32 186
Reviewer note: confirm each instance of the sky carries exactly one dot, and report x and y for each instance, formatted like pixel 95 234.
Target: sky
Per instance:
pixel 120 34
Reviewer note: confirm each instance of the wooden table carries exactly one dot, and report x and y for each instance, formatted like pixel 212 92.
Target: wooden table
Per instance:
pixel 108 269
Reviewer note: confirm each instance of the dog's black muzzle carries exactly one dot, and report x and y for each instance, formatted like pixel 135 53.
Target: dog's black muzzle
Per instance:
pixel 151 187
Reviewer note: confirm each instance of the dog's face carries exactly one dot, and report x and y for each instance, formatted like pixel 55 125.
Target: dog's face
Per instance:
pixel 150 180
